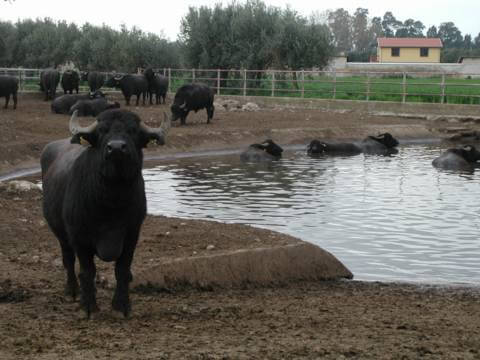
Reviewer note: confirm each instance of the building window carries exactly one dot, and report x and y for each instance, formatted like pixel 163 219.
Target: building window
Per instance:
pixel 424 52
pixel 395 51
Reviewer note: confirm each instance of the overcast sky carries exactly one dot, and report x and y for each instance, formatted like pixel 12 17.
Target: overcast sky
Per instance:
pixel 164 16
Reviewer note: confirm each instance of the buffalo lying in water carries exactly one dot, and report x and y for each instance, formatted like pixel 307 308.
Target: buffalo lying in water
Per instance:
pixel 94 199
pixel 464 158
pixel 383 144
pixel 266 151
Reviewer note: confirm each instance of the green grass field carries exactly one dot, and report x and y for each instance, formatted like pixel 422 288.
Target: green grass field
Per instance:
pixel 429 90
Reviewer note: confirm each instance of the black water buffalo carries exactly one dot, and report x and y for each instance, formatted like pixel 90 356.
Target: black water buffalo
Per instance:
pixel 9 86
pixel 265 151
pixel 95 79
pixel 92 107
pixel 383 144
pixel 130 85
pixel 192 97
pixel 70 81
pixel 49 79
pixel 94 199
pixel 62 104
pixel 157 84
pixel 317 147
pixel 464 158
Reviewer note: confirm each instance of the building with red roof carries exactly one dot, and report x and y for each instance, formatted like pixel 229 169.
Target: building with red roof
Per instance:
pixel 409 50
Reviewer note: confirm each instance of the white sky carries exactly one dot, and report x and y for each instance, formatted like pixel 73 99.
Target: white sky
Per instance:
pixel 163 16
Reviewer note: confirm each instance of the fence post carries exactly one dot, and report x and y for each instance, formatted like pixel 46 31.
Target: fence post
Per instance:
pixel 303 83
pixel 273 83
pixel 218 81
pixel 193 75
pixel 368 87
pixel 404 88
pixel 442 86
pixel 169 79
pixel 21 80
pixel 334 84
pixel 244 82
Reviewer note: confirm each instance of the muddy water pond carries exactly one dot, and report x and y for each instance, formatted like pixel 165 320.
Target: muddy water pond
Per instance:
pixel 392 218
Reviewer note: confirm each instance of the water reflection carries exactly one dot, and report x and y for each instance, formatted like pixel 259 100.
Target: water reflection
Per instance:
pixel 386 218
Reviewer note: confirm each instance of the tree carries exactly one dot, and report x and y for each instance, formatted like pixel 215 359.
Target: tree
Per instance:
pixel 432 32
pixel 361 35
pixel 410 28
pixel 450 35
pixel 390 24
pixel 340 23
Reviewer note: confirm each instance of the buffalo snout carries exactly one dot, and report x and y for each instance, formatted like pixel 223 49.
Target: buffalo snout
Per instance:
pixel 116 147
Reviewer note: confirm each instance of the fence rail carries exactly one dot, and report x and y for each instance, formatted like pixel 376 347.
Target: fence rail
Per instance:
pixel 370 86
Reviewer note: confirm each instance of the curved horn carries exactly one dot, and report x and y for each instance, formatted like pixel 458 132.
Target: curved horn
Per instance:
pixel 76 128
pixel 183 105
pixel 159 134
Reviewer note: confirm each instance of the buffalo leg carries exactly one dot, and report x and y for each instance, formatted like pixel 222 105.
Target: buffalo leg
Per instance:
pixel 68 257
pixel 127 100
pixel 123 275
pixel 15 101
pixel 7 99
pixel 87 274
pixel 210 113
pixel 138 100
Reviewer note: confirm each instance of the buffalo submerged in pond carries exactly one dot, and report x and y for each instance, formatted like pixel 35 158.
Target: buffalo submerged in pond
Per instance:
pixel 383 144
pixel 49 79
pixel 70 81
pixel 63 104
pixel 157 84
pixel 266 151
pixel 130 84
pixel 92 107
pixel 94 199
pixel 464 158
pixel 9 87
pixel 192 97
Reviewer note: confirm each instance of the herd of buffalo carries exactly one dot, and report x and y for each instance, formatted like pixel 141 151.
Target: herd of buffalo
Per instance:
pixel 189 97
pixel 93 189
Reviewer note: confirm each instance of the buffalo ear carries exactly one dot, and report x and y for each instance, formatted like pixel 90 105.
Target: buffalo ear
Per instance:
pixel 84 139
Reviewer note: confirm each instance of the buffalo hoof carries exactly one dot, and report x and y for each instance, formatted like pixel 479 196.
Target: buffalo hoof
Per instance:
pixel 89 307
pixel 72 289
pixel 121 304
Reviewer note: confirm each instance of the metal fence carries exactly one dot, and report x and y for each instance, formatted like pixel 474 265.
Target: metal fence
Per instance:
pixel 370 86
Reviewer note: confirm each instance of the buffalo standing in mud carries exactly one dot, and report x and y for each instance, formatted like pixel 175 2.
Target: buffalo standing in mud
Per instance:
pixel 70 81
pixel 93 107
pixel 192 97
pixel 49 79
pixel 95 80
pixel 383 144
pixel 63 104
pixel 266 151
pixel 9 86
pixel 130 85
pixel 157 84
pixel 464 158
pixel 94 199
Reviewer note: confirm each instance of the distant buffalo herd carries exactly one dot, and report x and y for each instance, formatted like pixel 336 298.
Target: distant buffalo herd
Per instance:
pixel 146 85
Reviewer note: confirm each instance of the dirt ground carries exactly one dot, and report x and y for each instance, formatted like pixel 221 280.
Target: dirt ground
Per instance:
pixel 305 319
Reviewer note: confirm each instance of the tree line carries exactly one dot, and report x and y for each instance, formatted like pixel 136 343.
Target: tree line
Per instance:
pixel 249 35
